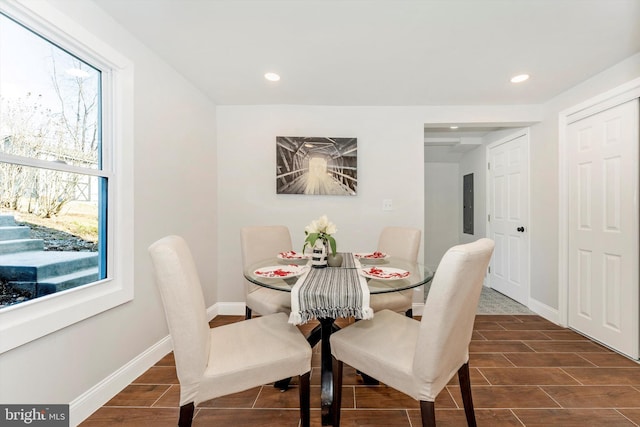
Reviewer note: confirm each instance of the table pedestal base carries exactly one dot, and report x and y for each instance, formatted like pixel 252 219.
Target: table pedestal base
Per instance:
pixel 322 334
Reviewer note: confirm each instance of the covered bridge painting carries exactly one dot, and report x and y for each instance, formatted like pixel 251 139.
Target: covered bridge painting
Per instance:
pixel 316 165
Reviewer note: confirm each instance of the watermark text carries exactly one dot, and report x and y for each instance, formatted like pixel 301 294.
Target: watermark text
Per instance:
pixel 34 415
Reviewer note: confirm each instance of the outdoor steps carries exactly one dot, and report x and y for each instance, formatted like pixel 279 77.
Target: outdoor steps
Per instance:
pixel 58 283
pixel 7 220
pixel 24 263
pixel 42 273
pixel 14 232
pixel 20 245
pixel 15 238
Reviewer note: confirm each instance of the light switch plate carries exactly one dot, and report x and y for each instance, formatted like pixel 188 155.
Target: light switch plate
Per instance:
pixel 387 205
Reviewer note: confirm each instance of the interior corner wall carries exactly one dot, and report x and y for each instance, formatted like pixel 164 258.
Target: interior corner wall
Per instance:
pixel 443 210
pixel 174 193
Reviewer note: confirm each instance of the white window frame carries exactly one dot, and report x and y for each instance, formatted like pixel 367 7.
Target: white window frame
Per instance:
pixel 30 320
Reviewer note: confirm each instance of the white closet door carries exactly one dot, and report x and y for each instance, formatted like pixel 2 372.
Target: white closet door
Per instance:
pixel 603 227
pixel 509 222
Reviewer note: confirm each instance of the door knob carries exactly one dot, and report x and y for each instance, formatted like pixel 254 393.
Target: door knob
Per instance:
pixel 520 229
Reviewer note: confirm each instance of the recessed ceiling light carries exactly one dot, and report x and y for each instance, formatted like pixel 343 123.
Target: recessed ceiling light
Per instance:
pixel 519 78
pixel 272 77
pixel 453 127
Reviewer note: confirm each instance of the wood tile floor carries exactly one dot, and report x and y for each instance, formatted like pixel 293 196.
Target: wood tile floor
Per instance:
pixel 525 371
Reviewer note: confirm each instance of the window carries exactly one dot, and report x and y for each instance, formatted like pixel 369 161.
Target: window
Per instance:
pixel 51 169
pixel 62 207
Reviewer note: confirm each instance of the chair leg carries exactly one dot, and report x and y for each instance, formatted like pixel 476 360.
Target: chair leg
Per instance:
pixel 247 313
pixel 186 415
pixel 283 384
pixel 465 389
pixel 305 399
pixel 367 380
pixel 409 313
pixel 428 413
pixel 337 390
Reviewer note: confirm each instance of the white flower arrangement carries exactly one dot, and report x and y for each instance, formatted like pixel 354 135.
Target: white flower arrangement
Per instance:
pixel 322 229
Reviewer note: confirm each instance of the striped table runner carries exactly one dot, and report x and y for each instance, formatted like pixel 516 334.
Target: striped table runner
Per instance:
pixel 349 261
pixel 330 292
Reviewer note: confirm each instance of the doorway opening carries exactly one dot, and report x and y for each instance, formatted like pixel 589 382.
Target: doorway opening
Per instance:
pixel 449 155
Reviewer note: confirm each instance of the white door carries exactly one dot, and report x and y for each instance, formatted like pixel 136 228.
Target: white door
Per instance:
pixel 602 152
pixel 508 191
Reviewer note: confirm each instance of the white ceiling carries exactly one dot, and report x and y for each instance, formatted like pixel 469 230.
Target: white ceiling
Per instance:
pixel 384 52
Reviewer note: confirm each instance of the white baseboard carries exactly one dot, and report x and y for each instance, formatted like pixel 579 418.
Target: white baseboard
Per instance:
pixel 549 313
pixel 94 398
pixel 91 400
pixel 212 311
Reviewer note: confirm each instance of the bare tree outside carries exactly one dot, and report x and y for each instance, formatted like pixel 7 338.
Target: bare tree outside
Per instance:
pixel 49 137
pixel 64 131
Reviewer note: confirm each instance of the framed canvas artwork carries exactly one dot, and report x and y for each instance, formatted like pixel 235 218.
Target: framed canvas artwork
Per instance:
pixel 316 165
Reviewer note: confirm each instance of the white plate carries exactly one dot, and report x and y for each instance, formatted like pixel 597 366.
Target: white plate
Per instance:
pixel 292 255
pixel 280 271
pixel 370 255
pixel 384 273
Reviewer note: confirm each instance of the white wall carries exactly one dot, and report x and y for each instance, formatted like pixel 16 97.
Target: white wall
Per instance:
pixel 390 166
pixel 443 210
pixel 544 178
pixel 175 192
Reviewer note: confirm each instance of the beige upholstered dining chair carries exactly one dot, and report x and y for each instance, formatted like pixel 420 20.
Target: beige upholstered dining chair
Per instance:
pixel 260 242
pixel 213 362
pixel 401 242
pixel 419 358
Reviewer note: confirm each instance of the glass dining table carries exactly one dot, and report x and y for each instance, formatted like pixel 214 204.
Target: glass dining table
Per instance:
pixel 417 275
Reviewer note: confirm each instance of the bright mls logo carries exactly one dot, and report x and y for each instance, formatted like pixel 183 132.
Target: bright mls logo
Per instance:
pixel 34 415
